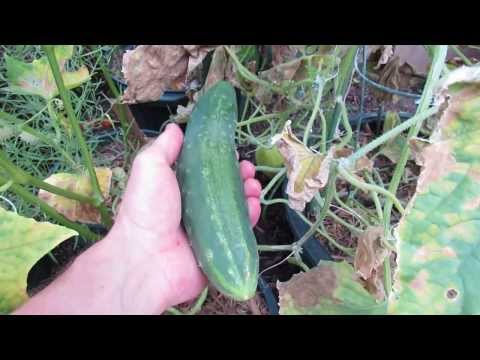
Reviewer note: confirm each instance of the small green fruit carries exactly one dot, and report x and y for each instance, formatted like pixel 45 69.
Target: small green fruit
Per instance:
pixel 269 157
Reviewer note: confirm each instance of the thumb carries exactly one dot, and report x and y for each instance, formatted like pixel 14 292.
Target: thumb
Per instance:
pixel 167 146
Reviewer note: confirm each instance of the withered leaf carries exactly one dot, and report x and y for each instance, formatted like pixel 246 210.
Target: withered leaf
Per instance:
pixel 369 258
pixel 80 184
pixel 417 147
pixel 150 70
pixel 284 53
pixel 307 171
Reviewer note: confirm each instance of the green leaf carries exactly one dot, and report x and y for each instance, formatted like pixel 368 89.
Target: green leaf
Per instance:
pixel 439 237
pixel 331 288
pixel 23 242
pixel 36 78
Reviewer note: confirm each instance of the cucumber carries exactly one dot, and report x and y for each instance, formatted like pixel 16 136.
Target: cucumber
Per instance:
pixel 215 213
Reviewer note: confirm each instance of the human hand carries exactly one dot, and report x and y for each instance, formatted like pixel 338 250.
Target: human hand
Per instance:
pixel 157 259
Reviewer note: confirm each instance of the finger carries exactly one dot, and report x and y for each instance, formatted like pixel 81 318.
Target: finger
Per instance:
pixel 247 170
pixel 167 146
pixel 254 209
pixel 252 188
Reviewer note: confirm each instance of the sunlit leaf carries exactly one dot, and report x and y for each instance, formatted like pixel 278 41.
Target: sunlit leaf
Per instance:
pixel 36 78
pixel 438 238
pixel 23 242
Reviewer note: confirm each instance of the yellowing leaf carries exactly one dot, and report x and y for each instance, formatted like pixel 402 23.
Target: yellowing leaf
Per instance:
pixel 72 209
pixel 36 78
pixel 330 288
pixel 307 171
pixel 23 242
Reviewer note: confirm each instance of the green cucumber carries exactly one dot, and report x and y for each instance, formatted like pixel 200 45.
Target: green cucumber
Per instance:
pixel 215 213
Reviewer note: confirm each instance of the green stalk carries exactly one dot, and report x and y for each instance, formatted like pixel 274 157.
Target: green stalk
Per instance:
pixel 196 307
pixel 242 70
pixel 54 118
pixel 349 209
pixel 122 111
pixel 461 55
pixel 415 120
pixel 342 85
pixel 439 56
pixel 368 187
pixel 27 179
pixel 45 139
pixel 254 120
pixel 313 116
pixel 272 182
pixel 376 200
pixel 326 205
pixel 346 124
pixel 439 53
pixel 267 169
pixel 321 231
pixel 87 157
pixel 83 231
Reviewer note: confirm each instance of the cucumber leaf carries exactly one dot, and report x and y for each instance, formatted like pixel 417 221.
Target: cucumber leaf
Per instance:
pixel 439 237
pixel 36 78
pixel 23 242
pixel 331 288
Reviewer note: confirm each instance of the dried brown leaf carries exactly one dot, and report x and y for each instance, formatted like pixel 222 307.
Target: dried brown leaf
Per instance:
pixel 369 258
pixel 80 184
pixel 417 147
pixel 307 171
pixel 284 53
pixel 150 70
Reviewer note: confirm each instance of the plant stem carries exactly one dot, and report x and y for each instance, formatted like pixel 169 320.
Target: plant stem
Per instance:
pixel 345 122
pixel 268 248
pixel 267 168
pixel 87 157
pixel 15 172
pixel 199 303
pixel 461 55
pixel 326 205
pixel 51 212
pixel 313 116
pixel 254 120
pixel 321 231
pixel 342 85
pixel 368 187
pixel 54 118
pixel 122 108
pixel 349 209
pixel 334 216
pixel 21 125
pixel 247 74
pixel 438 61
pixel 299 263
pixel 417 119
pixel 272 182
pixel 195 308
pixel 376 200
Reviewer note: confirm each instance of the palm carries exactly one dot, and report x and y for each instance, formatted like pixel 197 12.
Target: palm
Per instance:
pixel 150 217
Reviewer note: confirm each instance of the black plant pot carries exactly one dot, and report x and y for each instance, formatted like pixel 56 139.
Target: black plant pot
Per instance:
pixel 152 115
